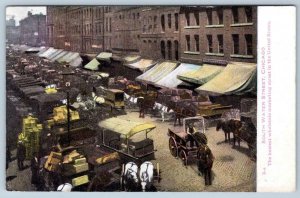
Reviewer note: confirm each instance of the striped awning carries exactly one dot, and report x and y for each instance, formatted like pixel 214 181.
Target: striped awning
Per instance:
pixel 142 64
pixel 202 75
pixel 92 65
pixel 236 78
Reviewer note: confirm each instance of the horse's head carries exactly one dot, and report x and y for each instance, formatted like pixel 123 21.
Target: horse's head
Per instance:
pixel 219 124
pixel 146 175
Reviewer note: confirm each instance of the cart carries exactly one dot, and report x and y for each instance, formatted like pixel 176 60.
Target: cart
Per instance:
pixel 126 137
pixel 183 143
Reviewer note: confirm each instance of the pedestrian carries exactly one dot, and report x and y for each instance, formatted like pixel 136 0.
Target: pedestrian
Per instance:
pixel 21 154
pixel 8 156
pixel 35 165
pixel 205 163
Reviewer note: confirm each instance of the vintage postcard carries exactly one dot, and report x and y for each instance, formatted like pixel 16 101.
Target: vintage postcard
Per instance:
pixel 150 98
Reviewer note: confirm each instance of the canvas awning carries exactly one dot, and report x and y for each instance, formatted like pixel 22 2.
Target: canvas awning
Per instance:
pixel 142 64
pixel 104 56
pixel 51 53
pixel 32 50
pixel 47 52
pixel 72 57
pixel 127 128
pixel 171 80
pixel 92 65
pixel 76 62
pixel 202 75
pixel 63 59
pixel 236 78
pixel 55 54
pixel 131 58
pixel 59 56
pixel 156 73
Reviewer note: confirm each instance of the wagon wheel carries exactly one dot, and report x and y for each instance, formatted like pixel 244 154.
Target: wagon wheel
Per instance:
pixel 173 147
pixel 183 157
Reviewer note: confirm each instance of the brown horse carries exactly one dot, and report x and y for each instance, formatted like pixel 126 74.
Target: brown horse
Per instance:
pixel 182 109
pixel 145 103
pixel 229 126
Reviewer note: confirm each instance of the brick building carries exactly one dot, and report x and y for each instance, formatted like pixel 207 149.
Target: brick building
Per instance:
pixel 193 34
pixel 33 30
pixel 12 32
pixel 214 34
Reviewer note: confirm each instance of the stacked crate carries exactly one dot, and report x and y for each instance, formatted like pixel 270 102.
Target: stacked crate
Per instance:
pixel 30 135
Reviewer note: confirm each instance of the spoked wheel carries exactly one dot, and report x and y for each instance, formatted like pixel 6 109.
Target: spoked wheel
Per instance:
pixel 173 147
pixel 183 157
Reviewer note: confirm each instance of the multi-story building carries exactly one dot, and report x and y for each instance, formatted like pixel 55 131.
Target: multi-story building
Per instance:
pixel 12 32
pixel 193 34
pixel 218 34
pixel 33 30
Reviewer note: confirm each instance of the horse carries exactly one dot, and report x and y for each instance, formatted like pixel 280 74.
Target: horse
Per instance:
pixel 129 177
pixel 229 126
pixel 162 110
pixel 205 162
pixel 146 175
pixel 183 109
pixel 66 187
pixel 144 104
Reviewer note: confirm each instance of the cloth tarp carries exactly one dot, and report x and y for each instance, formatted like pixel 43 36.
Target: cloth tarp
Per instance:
pixel 126 128
pixel 42 50
pixel 236 78
pixel 76 62
pixel 47 52
pixel 33 49
pixel 202 75
pixel 63 59
pixel 131 58
pixel 156 73
pixel 72 57
pixel 92 65
pixel 142 64
pixel 59 56
pixel 105 56
pixel 55 54
pixel 171 80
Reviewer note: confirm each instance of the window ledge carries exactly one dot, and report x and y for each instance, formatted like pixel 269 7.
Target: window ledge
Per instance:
pixel 241 56
pixel 240 24
pixel 214 54
pixel 193 53
pixel 215 26
pixel 191 27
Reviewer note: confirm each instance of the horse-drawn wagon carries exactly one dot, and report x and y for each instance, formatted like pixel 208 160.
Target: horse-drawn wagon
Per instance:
pixel 184 142
pixel 126 137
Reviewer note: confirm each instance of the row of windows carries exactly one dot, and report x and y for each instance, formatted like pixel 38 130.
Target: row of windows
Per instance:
pixel 248 40
pixel 237 12
pixel 129 16
pixel 169 21
pixel 166 49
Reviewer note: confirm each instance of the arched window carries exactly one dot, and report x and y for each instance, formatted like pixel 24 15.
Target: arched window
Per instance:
pixel 169 50
pixel 176 50
pixel 163 49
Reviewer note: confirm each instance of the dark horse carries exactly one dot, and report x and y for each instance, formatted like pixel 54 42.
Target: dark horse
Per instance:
pixel 229 126
pixel 182 109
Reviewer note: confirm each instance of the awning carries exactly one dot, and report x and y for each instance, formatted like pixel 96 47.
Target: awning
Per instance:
pixel 50 53
pixel 42 50
pixel 104 56
pixel 47 52
pixel 32 50
pixel 171 80
pixel 63 59
pixel 76 62
pixel 55 54
pixel 63 53
pixel 142 64
pixel 72 57
pixel 131 58
pixel 92 65
pixel 156 73
pixel 236 78
pixel 202 75
pixel 127 128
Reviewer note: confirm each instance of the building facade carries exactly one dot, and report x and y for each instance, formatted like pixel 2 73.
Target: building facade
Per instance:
pixel 12 32
pixel 194 34
pixel 218 34
pixel 33 30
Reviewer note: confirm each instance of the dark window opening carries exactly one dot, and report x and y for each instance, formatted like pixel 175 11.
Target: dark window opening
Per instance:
pixel 209 43
pixel 188 42
pixel 248 12
pixel 169 50
pixel 209 17
pixel 163 22
pixel 176 50
pixel 235 39
pixel 235 14
pixel 197 47
pixel 162 49
pixel 169 20
pixel 220 44
pixel 249 47
pixel 176 22
pixel 187 18
pixel 220 16
pixel 196 14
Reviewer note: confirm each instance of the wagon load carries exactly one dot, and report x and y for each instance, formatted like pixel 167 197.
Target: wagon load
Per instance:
pixel 75 163
pixel 60 116
pixel 30 135
pixel 53 161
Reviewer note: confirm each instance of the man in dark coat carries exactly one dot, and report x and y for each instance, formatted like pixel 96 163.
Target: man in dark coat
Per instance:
pixel 21 154
pixel 35 165
pixel 205 163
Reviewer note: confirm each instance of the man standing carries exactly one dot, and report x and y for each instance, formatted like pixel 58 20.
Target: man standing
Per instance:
pixel 21 154
pixel 205 163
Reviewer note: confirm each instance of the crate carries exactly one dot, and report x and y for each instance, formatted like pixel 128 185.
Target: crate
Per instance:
pixel 80 180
